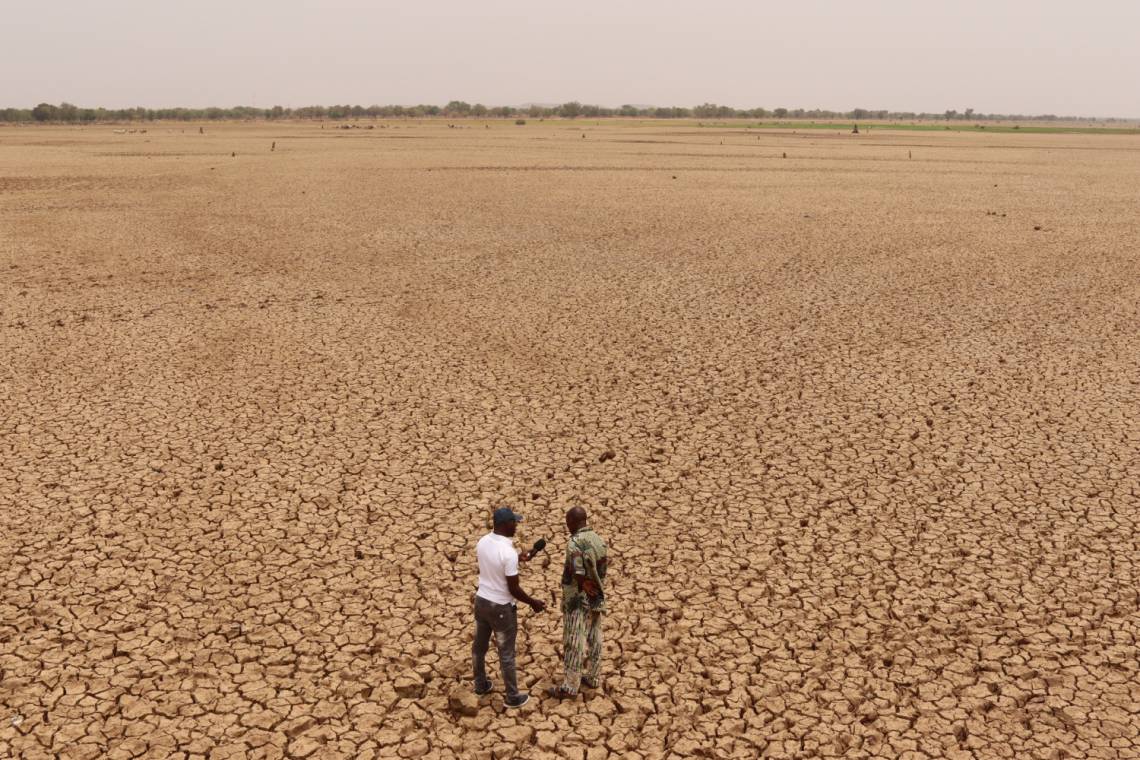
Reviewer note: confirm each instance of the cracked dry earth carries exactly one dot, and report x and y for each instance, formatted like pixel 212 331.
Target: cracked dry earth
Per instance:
pixel 863 433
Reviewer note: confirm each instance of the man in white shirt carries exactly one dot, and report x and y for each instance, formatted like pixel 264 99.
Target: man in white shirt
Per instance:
pixel 495 608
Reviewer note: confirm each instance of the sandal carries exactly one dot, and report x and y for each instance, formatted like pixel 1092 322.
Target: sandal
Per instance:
pixel 560 692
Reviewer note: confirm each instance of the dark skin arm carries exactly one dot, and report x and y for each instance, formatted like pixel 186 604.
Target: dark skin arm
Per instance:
pixel 516 591
pixel 587 585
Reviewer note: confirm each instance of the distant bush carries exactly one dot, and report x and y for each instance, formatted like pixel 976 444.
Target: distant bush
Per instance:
pixel 520 122
pixel 68 113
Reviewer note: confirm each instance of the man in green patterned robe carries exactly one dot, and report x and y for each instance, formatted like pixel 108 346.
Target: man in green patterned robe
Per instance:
pixel 583 605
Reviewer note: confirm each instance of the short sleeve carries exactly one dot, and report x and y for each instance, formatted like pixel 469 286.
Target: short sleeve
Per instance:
pixel 510 562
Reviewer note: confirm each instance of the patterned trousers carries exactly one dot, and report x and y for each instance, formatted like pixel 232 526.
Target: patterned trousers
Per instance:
pixel 582 645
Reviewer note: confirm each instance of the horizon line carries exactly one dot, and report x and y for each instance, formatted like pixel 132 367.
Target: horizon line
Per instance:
pixel 568 109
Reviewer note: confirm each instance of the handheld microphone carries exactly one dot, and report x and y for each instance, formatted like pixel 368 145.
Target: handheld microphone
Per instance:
pixel 539 545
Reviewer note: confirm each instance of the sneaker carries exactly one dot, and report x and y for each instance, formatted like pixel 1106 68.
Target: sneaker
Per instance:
pixel 518 700
pixel 485 690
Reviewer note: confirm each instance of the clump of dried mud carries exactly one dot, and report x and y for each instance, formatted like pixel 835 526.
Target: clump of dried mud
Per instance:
pixel 863 431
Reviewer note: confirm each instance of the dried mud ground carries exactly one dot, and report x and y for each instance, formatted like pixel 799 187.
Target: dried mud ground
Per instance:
pixel 862 430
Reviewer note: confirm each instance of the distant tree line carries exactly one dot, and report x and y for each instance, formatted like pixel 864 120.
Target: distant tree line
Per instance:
pixel 69 114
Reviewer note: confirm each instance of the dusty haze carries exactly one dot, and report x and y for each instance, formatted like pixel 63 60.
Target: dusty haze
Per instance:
pixel 1012 57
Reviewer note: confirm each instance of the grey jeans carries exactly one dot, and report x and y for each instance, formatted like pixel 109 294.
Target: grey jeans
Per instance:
pixel 503 621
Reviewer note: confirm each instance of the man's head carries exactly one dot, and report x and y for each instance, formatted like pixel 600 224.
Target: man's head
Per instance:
pixel 506 521
pixel 575 518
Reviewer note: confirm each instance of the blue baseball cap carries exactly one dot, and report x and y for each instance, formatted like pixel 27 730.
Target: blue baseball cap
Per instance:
pixel 505 515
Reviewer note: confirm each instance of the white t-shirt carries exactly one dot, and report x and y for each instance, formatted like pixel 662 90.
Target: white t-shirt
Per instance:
pixel 497 560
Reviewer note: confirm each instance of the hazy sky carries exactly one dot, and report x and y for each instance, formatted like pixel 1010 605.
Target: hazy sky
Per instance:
pixel 1025 56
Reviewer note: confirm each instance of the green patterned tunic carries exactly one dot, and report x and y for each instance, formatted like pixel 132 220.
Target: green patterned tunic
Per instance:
pixel 586 554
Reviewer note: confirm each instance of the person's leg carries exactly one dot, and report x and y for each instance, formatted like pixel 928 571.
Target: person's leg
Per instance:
pixel 479 648
pixel 594 650
pixel 574 649
pixel 506 626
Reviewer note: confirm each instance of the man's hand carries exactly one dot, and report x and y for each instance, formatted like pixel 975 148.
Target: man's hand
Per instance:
pixel 524 557
pixel 522 596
